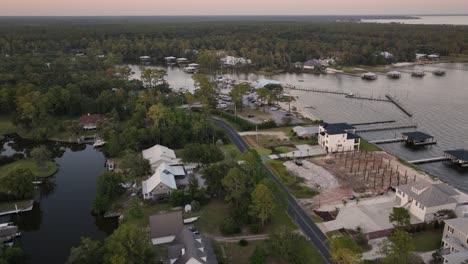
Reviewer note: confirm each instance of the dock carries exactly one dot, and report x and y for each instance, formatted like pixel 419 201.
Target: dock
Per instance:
pixel 428 160
pixel 386 128
pixel 374 123
pixel 369 99
pixel 386 141
pixel 399 105
pixel 418 138
pixel 313 90
pixel 458 156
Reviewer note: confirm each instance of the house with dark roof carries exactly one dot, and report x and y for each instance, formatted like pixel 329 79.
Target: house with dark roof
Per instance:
pixel 165 227
pixel 455 241
pixel 424 199
pixel 89 121
pixel 338 137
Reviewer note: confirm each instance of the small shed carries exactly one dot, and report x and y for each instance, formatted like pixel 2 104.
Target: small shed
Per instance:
pixel 417 138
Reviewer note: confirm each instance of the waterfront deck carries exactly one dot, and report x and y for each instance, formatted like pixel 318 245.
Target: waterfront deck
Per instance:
pixel 428 160
pixel 386 141
pixel 458 156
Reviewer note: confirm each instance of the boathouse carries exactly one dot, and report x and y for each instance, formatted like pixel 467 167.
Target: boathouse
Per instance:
pixel 369 76
pixel 458 156
pixel 417 138
pixel 394 74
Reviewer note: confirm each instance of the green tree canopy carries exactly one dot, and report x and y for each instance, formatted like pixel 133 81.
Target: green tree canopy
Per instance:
pixel 19 182
pixel 88 252
pixel 41 155
pixel 263 203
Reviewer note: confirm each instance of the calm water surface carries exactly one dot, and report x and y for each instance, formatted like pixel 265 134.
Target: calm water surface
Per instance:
pixel 61 214
pixel 424 20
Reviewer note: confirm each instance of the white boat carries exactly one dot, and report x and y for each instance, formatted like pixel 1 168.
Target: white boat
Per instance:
pixel 369 76
pixel 190 69
pixel 99 143
pixel 190 220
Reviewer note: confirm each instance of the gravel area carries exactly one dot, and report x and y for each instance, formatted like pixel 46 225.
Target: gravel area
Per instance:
pixel 314 175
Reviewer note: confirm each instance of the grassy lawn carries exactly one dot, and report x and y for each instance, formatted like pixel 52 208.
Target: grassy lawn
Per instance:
pixel 428 240
pixel 263 151
pixel 284 149
pixel 211 216
pixel 149 210
pixel 8 206
pixel 366 146
pixel 46 171
pixel 294 184
pixel 235 253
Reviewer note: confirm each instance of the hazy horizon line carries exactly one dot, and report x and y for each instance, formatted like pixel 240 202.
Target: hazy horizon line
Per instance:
pixel 240 15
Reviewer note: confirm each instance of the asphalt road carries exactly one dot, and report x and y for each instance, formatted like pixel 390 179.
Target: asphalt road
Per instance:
pixel 309 228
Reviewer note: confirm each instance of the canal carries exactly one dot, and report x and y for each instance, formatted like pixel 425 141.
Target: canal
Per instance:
pixel 61 213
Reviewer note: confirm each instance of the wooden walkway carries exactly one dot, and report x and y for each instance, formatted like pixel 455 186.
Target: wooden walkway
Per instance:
pixel 385 128
pixel 399 105
pixel 313 90
pixel 429 160
pixel 385 141
pixel 369 99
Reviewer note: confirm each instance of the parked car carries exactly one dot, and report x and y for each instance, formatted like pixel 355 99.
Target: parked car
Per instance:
pixel 298 163
pixel 221 106
pixel 250 116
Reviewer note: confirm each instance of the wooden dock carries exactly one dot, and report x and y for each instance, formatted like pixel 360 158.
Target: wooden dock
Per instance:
pixel 385 128
pixel 429 160
pixel 313 90
pixel 385 141
pixel 369 99
pixel 399 105
pixel 374 123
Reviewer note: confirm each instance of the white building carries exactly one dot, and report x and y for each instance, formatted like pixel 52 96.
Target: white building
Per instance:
pixel 159 154
pixel 386 55
pixel 234 61
pixel 455 241
pixel 162 182
pixel 424 199
pixel 338 137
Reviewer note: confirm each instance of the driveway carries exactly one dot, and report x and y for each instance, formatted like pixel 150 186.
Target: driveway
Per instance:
pixel 301 152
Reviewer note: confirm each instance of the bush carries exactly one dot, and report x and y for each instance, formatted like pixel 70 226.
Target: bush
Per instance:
pixel 229 227
pixel 258 256
pixel 254 228
pixel 243 242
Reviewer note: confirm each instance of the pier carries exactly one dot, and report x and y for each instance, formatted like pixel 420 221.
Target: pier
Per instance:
pixel 458 156
pixel 313 90
pixel 374 123
pixel 417 138
pixel 368 98
pixel 399 105
pixel 428 160
pixel 385 141
pixel 385 128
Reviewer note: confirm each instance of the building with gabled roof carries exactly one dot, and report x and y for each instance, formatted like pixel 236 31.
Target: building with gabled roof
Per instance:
pixel 424 199
pixel 455 241
pixel 162 182
pixel 338 137
pixel 89 121
pixel 159 154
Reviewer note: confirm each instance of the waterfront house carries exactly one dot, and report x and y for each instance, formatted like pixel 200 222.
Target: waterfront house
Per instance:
pixel 230 61
pixel 89 121
pixel 338 137
pixel 420 56
pixel 158 154
pixel 298 65
pixel 424 199
pixel 162 182
pixel 165 227
pixel 455 241
pixel 311 64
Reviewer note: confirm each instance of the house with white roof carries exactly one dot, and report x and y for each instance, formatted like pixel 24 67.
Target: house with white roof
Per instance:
pixel 162 182
pixel 455 241
pixel 338 137
pixel 159 154
pixel 424 199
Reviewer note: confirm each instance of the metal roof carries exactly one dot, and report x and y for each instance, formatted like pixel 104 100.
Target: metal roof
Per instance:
pixel 418 136
pixel 461 154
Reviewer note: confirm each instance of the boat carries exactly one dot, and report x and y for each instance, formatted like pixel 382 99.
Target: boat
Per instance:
pixel 369 76
pixel 439 73
pixel 350 95
pixel 99 143
pixel 419 74
pixel 394 74
pixel 190 220
pixel 190 69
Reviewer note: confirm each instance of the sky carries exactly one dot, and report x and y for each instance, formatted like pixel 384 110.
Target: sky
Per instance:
pixel 228 7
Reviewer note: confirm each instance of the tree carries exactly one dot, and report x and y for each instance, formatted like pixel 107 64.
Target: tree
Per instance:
pixel 202 153
pixel 134 165
pixel 41 155
pixel 129 245
pixel 259 256
pixel 14 255
pixel 135 211
pixel 400 217
pixel 238 92
pixel 397 247
pixel 236 184
pixel 274 92
pixel 152 77
pixel 113 146
pixel 107 190
pixel 213 176
pixel 263 96
pixel 19 182
pixel 344 249
pixel 283 243
pixel 263 203
pixel 177 198
pixel 88 252
pixel 194 190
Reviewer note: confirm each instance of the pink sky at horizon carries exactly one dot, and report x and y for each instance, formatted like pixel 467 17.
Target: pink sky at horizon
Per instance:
pixel 229 7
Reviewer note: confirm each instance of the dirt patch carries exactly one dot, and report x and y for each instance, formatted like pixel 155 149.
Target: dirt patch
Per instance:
pixel 315 176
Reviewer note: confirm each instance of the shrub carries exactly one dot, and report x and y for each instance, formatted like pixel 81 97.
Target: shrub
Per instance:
pixel 243 242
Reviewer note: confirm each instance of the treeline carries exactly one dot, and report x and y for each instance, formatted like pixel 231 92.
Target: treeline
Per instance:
pixel 269 44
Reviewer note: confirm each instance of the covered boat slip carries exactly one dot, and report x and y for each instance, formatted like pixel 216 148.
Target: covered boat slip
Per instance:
pixel 417 138
pixel 459 156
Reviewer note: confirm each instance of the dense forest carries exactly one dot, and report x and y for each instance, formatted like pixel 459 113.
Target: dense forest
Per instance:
pixel 269 44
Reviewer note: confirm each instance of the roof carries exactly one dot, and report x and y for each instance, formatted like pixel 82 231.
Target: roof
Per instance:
pixel 418 136
pixel 461 154
pixel 312 63
pixel 158 153
pixel 91 118
pixel 166 224
pixel 352 136
pixel 369 74
pixel 460 224
pixel 337 128
pixel 164 174
pixel 192 245
pixel 264 82
pixel 8 231
pixel 429 194
pixel 393 73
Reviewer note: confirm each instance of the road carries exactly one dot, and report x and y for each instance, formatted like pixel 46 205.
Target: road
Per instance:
pixel 308 227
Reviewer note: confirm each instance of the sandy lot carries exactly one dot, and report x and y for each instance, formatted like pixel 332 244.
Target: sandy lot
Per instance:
pixel 315 176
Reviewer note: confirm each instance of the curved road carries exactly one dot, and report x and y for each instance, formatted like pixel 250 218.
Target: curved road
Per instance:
pixel 309 228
